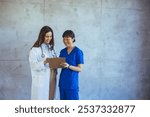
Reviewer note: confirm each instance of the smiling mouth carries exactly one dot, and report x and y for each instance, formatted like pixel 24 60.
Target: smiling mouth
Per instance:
pixel 47 41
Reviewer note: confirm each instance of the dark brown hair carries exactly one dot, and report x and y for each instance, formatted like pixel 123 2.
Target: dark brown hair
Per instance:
pixel 41 37
pixel 69 33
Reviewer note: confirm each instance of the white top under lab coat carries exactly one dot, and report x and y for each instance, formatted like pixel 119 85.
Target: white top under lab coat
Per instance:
pixel 40 72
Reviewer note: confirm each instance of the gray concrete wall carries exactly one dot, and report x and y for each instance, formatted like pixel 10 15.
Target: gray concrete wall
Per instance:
pixel 114 35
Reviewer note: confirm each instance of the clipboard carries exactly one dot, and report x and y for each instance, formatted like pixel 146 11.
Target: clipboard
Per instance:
pixel 55 62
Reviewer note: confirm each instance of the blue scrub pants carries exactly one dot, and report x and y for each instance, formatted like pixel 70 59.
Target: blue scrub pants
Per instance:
pixel 69 94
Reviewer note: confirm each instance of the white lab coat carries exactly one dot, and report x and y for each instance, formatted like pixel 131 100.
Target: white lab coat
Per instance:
pixel 40 73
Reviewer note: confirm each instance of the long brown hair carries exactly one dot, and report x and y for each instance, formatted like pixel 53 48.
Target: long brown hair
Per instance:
pixel 41 37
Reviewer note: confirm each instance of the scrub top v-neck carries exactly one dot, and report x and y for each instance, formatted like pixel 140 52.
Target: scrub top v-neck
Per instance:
pixel 68 77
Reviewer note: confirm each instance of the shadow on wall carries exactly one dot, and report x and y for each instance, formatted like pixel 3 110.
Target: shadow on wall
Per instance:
pixel 144 51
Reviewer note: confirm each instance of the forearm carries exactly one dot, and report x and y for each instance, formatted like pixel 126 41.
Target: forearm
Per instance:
pixel 75 68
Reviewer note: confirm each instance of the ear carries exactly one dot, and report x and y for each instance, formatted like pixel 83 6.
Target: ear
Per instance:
pixel 73 39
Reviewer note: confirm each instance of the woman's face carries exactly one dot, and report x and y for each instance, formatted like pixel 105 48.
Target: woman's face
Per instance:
pixel 68 41
pixel 48 37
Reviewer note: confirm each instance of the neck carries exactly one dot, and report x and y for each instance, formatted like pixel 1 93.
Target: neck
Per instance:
pixel 70 47
pixel 45 43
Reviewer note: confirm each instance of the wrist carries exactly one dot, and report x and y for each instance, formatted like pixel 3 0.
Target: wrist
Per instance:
pixel 68 66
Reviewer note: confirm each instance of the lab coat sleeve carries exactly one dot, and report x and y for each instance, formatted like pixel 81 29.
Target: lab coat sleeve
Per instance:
pixel 35 64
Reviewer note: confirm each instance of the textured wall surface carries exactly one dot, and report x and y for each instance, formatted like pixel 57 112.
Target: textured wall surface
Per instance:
pixel 113 34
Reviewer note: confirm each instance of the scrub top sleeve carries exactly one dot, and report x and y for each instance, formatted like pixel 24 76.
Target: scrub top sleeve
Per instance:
pixel 80 58
pixel 34 63
pixel 60 55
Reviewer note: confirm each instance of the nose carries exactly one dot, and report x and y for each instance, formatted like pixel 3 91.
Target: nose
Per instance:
pixel 49 38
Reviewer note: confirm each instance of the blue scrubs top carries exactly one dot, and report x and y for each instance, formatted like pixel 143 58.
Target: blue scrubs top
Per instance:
pixel 69 78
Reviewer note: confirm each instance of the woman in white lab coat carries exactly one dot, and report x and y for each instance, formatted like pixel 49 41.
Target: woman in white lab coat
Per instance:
pixel 43 78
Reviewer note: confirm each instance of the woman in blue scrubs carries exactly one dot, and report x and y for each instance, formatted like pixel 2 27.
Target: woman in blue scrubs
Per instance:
pixel 68 82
